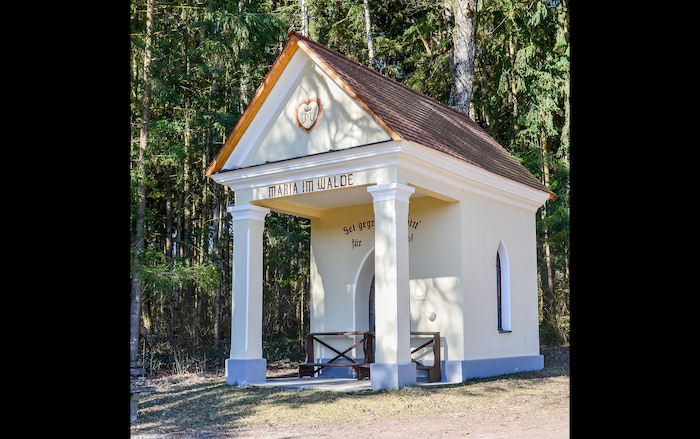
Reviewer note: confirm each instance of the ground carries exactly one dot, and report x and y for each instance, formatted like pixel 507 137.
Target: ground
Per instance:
pixel 524 405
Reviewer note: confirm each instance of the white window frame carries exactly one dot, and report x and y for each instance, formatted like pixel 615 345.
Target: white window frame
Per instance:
pixel 502 254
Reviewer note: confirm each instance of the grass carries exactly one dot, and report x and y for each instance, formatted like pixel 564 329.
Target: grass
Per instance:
pixel 195 402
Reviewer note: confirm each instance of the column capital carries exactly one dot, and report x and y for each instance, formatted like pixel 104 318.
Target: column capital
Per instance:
pixel 391 191
pixel 248 211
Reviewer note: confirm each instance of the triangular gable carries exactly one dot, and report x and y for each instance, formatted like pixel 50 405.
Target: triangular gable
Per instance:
pixel 299 81
pixel 314 116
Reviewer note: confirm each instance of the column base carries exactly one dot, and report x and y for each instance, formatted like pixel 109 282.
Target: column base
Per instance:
pixel 392 375
pixel 246 371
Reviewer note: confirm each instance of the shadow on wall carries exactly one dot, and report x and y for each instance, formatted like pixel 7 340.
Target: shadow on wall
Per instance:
pixel 363 282
pixel 442 296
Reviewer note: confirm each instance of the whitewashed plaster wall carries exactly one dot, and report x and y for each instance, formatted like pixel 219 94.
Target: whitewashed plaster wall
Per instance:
pixel 341 123
pixel 485 224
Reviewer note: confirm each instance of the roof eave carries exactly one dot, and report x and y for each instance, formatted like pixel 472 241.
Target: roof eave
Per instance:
pixel 441 167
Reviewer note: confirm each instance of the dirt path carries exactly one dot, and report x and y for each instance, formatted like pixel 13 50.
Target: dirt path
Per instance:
pixel 489 424
pixel 484 424
pixel 528 405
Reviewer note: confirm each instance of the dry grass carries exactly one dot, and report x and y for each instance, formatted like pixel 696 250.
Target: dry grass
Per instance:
pixel 194 404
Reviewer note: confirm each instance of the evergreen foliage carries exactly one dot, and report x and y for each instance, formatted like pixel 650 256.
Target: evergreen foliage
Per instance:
pixel 208 59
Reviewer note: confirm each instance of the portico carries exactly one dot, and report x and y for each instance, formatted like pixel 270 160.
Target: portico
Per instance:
pixel 410 204
pixel 383 232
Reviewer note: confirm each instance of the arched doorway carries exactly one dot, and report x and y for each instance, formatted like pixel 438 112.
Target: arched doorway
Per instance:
pixel 371 305
pixel 363 309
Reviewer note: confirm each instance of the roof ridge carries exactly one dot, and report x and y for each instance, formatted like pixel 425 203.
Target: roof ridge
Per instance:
pixel 420 95
pixel 369 70
pixel 335 52
pixel 417 123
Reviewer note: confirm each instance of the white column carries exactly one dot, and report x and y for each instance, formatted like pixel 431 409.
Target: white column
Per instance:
pixel 393 367
pixel 246 364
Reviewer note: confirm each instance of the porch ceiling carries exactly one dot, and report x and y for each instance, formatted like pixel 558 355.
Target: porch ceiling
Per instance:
pixel 311 205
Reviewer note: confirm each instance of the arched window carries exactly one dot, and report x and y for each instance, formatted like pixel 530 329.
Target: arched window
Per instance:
pixel 498 292
pixel 503 288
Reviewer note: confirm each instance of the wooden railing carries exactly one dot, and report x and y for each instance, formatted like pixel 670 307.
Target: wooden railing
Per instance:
pixel 434 371
pixel 310 366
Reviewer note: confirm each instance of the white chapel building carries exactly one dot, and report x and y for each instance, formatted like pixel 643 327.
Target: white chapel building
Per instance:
pixel 420 221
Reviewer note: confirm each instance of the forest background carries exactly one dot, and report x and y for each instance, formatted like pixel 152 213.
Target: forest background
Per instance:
pixel 195 64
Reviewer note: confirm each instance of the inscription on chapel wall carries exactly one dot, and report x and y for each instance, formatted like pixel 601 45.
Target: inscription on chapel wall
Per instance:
pixel 311 185
pixel 360 226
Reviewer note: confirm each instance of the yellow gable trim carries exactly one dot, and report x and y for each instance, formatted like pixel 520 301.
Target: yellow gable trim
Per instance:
pixel 264 90
pixel 253 106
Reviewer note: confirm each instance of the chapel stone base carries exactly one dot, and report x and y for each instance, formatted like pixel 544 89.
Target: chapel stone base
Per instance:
pixel 457 371
pixel 392 375
pixel 246 371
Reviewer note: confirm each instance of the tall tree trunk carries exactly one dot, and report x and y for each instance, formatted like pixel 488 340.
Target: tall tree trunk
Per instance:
pixel 174 320
pixel 511 80
pixel 550 311
pixel 463 53
pixel 304 19
pixel 180 241
pixel 135 318
pixel 243 102
pixel 185 240
pixel 563 21
pixel 245 67
pixel 184 247
pixel 368 32
pixel 198 303
pixel 218 261
pixel 203 243
pixel 168 220
pixel 169 233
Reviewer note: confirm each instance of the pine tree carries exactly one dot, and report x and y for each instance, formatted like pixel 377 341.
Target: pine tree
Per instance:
pixel 521 98
pixel 136 281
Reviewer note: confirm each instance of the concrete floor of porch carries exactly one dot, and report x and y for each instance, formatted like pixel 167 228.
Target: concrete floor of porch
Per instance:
pixel 332 384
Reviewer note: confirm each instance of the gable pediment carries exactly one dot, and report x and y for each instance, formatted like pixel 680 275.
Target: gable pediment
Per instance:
pixel 315 116
pixel 305 113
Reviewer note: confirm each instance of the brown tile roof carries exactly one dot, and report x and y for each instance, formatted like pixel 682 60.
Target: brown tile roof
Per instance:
pixel 409 115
